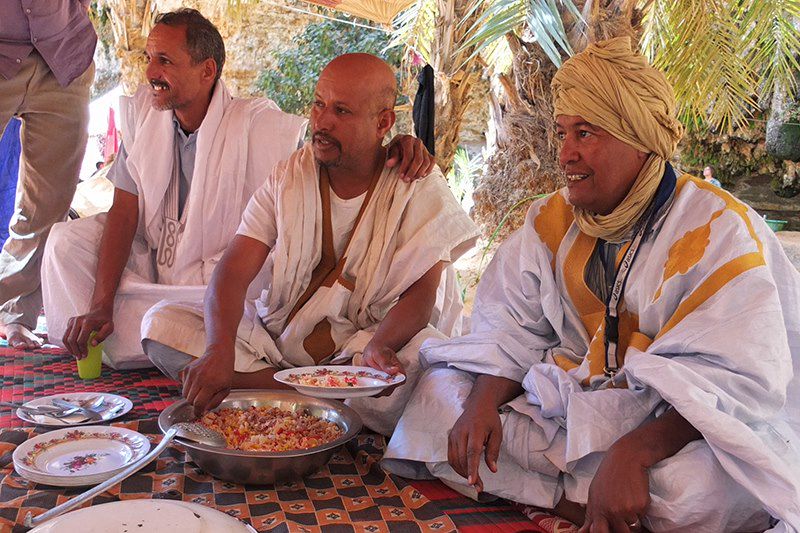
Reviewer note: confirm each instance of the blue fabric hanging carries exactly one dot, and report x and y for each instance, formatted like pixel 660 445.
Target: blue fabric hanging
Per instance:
pixel 10 149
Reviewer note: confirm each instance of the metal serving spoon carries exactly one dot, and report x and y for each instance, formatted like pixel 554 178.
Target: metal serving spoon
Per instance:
pixel 193 431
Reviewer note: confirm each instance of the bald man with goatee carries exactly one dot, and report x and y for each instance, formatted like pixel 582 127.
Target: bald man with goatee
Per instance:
pixel 357 262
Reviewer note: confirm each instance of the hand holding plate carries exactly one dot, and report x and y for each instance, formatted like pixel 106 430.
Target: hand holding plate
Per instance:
pixel 384 359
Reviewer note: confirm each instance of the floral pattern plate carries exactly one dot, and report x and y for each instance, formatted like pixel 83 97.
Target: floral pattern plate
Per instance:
pixel 79 456
pixel 338 381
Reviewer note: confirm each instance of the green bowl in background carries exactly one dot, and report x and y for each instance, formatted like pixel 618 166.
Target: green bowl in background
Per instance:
pixel 776 225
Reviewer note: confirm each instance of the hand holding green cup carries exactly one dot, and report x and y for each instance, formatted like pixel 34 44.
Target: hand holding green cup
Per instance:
pixel 90 366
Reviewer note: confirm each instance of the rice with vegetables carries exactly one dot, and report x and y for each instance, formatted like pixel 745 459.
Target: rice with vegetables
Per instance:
pixel 325 377
pixel 269 429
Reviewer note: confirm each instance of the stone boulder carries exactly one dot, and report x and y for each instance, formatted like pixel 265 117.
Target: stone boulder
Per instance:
pixel 783 139
pixel 783 130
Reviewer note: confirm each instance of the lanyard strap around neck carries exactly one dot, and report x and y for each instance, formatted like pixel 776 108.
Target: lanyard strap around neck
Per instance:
pixel 617 291
pixel 662 198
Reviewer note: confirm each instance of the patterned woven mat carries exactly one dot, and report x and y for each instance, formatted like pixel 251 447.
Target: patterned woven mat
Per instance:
pixel 33 374
pixel 38 373
pixel 350 493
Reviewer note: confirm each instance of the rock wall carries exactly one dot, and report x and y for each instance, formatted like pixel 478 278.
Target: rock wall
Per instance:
pixel 106 62
pixel 742 162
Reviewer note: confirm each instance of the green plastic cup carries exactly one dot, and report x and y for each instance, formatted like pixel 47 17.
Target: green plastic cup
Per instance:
pixel 90 366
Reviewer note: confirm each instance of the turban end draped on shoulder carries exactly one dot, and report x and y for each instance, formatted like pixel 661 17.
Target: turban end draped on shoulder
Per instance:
pixel 614 88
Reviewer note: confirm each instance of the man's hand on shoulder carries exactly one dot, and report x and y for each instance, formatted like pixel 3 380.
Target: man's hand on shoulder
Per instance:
pixel 76 337
pixel 207 380
pixel 619 493
pixel 410 156
pixel 477 428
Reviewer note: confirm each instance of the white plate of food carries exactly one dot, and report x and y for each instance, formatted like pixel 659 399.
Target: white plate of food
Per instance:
pixel 75 457
pixel 338 381
pixel 151 516
pixel 112 406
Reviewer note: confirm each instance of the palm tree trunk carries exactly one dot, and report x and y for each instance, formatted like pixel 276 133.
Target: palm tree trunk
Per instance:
pixel 455 75
pixel 453 95
pixel 524 160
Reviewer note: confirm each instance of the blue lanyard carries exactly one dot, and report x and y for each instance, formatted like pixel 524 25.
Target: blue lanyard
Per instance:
pixel 663 193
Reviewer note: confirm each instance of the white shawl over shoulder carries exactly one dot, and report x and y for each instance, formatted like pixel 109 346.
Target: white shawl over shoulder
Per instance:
pixel 238 142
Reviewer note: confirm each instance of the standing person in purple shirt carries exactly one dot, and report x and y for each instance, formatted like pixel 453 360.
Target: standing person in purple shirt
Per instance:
pixel 46 69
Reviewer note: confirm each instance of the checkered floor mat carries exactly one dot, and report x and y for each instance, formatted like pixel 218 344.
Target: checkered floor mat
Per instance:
pixel 33 374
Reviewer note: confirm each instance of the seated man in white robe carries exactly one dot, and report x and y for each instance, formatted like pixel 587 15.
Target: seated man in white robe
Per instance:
pixel 354 261
pixel 192 157
pixel 633 343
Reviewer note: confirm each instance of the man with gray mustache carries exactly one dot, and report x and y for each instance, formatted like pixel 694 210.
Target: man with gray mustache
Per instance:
pixel 192 156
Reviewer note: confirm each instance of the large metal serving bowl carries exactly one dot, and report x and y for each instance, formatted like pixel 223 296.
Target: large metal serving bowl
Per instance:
pixel 266 467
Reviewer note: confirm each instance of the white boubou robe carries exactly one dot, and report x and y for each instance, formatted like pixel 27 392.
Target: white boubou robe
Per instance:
pixel 238 142
pixel 709 325
pixel 403 230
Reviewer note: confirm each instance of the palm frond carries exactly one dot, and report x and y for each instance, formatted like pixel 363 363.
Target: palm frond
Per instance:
pixel 544 23
pixel 415 27
pixel 500 17
pixel 542 19
pixel 499 55
pixel 771 40
pixel 698 45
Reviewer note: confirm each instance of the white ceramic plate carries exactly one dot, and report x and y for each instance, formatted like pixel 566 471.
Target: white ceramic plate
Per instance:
pixel 150 516
pixel 113 407
pixel 79 456
pixel 368 381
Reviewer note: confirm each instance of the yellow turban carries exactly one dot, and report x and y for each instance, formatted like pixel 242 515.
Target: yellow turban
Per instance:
pixel 614 88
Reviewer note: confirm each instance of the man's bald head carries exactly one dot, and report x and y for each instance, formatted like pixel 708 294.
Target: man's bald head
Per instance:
pixel 353 110
pixel 368 74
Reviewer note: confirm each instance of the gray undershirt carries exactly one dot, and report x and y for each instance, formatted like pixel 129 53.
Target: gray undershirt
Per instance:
pixel 120 176
pixel 601 270
pixel 602 267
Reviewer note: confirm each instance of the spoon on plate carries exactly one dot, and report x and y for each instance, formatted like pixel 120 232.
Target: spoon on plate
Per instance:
pixel 56 411
pixel 89 409
pixel 193 431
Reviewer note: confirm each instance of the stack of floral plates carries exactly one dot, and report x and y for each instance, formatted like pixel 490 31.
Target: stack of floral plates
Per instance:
pixel 77 457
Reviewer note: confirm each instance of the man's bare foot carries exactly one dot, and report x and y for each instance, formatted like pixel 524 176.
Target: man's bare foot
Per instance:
pixel 21 338
pixel 574 512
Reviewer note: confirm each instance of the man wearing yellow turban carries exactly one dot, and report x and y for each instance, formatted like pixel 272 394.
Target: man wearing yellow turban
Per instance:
pixel 631 359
